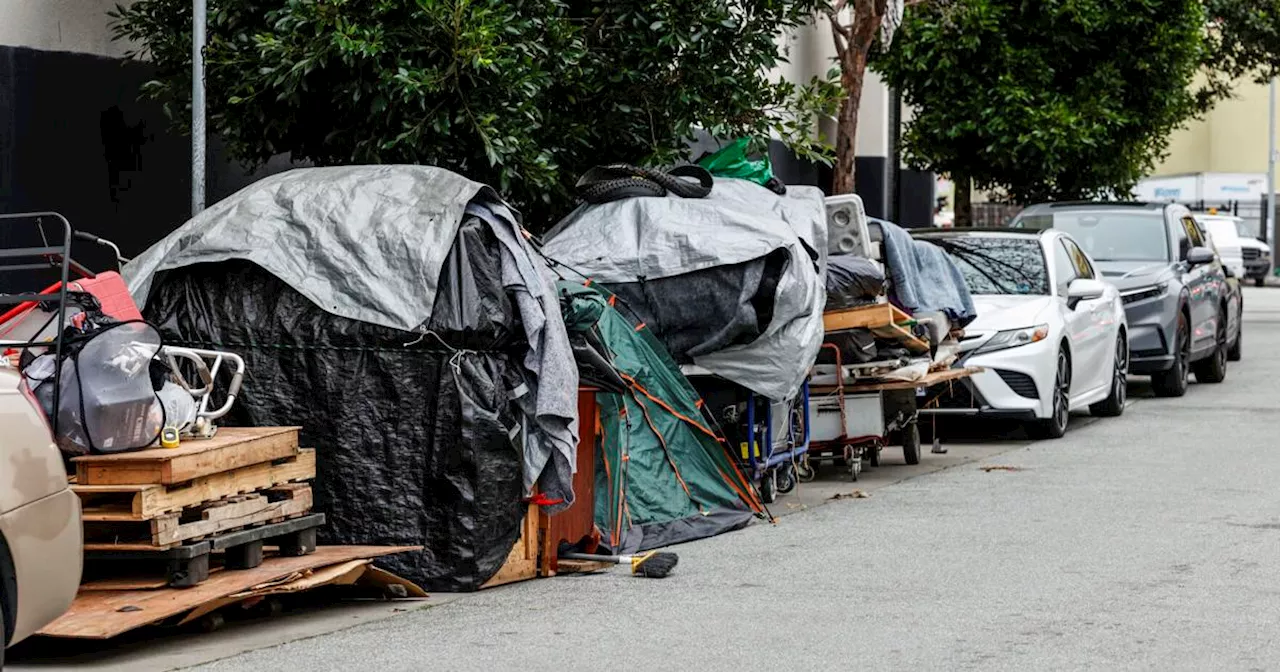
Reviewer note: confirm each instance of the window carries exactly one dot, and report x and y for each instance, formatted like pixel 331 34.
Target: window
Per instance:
pixel 1116 234
pixel 1180 237
pixel 1000 265
pixel 1193 232
pixel 1084 269
pixel 1064 267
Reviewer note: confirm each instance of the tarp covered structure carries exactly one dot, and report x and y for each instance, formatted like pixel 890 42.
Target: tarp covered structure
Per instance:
pixel 732 282
pixel 663 475
pixel 397 314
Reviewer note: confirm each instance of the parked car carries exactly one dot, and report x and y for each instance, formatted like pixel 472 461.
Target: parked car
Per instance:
pixel 1177 301
pixel 1050 334
pixel 1255 253
pixel 40 531
pixel 1224 240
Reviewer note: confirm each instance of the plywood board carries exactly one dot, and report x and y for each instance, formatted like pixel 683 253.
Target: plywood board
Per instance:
pixel 96 614
pixel 230 448
pixel 928 381
pixel 522 562
pixel 143 502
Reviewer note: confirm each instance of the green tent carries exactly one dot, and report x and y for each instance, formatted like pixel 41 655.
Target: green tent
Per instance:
pixel 663 475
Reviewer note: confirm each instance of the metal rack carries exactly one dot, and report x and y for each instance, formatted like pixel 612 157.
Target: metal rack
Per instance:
pixel 20 259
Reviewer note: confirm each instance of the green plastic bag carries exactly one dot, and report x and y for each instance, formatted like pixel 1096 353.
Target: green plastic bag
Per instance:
pixel 732 161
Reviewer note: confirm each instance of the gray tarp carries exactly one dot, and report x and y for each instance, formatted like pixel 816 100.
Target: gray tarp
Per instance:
pixel 639 239
pixel 368 243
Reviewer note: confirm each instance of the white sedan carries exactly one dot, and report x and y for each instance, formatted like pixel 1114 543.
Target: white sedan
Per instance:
pixel 1050 333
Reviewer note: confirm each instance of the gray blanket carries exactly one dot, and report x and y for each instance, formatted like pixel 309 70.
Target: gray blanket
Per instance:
pixel 925 279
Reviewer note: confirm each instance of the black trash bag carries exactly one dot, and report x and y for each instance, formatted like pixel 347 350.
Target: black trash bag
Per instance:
pixel 106 402
pixel 852 281
pixel 412 430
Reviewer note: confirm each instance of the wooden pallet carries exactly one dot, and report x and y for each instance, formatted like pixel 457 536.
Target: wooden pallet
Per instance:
pixel 882 319
pixel 167 530
pixel 140 502
pixel 231 448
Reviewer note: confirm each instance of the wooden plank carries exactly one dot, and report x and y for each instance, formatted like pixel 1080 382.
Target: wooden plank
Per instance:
pixel 864 317
pixel 231 448
pixel 927 381
pixel 143 502
pixel 252 511
pixel 97 614
pixel 522 562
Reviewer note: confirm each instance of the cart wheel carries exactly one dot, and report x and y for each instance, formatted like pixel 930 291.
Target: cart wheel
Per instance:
pixel 855 468
pixel 806 471
pixel 769 487
pixel 911 443
pixel 786 479
pixel 873 455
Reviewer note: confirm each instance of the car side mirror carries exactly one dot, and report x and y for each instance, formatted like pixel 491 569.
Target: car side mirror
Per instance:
pixel 1084 289
pixel 1199 256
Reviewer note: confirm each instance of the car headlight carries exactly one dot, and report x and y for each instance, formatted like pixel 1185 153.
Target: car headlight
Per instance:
pixel 1012 338
pixel 1144 293
pixel 1265 254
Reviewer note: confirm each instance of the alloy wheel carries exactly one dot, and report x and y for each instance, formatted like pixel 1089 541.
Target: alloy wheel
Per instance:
pixel 1062 393
pixel 1121 381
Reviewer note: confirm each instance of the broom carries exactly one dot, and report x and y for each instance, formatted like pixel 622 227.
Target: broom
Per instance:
pixel 651 565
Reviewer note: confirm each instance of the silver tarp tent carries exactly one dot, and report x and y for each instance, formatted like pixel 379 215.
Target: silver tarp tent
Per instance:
pixel 368 243
pixel 732 282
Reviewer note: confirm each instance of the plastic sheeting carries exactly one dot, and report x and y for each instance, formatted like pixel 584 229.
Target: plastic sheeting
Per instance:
pixel 925 279
pixel 852 281
pixel 413 399
pixel 642 240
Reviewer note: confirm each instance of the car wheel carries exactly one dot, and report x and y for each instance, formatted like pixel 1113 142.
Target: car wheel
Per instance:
pixel 1173 383
pixel 1113 405
pixel 1055 426
pixel 1213 369
pixel 1236 352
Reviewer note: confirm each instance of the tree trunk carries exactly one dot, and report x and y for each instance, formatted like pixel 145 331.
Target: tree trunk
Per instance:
pixel 964 199
pixel 853 68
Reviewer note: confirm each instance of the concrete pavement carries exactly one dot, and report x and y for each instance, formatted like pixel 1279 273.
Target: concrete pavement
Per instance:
pixel 1144 542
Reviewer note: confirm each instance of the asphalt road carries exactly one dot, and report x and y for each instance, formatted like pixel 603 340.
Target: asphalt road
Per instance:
pixel 1146 542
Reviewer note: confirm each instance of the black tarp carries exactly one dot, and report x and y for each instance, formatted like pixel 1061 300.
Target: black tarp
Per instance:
pixel 413 431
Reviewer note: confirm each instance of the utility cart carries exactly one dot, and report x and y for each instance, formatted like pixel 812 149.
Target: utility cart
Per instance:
pixel 771 436
pixel 855 412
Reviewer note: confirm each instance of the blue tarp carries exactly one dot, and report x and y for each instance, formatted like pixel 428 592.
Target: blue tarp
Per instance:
pixel 925 279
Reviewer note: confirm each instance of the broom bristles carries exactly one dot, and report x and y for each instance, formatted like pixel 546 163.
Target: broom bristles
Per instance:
pixel 655 565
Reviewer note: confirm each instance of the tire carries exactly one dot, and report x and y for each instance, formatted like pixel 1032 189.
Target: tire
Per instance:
pixel 1260 282
pixel 2 631
pixel 1213 369
pixel 873 456
pixel 1055 426
pixel 769 487
pixel 1236 352
pixel 1173 383
pixel 786 479
pixel 1113 405
pixel 911 443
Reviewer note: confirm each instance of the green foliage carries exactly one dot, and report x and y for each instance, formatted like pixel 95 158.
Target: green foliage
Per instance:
pixel 1243 41
pixel 522 94
pixel 1046 99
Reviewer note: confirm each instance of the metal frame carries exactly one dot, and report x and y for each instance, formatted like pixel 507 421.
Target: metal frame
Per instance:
pixel 59 294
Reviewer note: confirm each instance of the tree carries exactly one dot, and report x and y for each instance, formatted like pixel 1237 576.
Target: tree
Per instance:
pixel 522 94
pixel 1243 40
pixel 855 27
pixel 1054 99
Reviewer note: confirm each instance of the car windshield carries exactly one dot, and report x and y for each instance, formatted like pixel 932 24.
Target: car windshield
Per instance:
pixel 1109 235
pixel 999 265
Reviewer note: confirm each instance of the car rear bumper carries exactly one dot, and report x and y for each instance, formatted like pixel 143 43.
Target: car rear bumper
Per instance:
pixel 45 540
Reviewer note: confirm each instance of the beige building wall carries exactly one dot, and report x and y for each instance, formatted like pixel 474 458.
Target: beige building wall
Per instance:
pixel 1232 138
pixel 80 26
